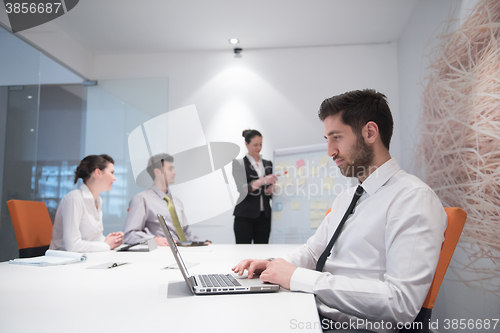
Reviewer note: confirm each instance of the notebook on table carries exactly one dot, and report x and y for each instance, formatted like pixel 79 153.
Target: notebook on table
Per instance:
pixel 52 258
pixel 206 284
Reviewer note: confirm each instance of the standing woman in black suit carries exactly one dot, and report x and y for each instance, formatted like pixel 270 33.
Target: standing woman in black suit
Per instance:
pixel 255 181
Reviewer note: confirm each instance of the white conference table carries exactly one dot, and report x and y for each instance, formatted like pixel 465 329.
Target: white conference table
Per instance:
pixel 143 296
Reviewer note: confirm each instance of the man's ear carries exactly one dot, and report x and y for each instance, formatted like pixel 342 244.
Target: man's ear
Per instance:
pixel 157 172
pixel 370 132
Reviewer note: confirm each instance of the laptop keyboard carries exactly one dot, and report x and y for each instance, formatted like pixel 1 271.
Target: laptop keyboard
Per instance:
pixel 218 280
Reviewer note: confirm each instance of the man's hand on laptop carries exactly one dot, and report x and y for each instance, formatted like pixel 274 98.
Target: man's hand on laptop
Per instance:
pixel 278 271
pixel 253 266
pixel 161 241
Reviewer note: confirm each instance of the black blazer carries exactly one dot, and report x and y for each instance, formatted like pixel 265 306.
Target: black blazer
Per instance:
pixel 248 204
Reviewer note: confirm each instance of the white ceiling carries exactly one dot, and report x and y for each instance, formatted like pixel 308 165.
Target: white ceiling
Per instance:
pixel 154 26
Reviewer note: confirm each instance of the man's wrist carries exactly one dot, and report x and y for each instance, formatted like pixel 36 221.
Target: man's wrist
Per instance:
pixel 304 280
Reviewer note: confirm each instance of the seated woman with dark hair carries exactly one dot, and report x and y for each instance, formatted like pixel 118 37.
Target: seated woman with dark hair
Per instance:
pixel 78 223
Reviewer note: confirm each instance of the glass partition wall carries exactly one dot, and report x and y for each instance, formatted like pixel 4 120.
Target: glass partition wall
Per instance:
pixel 50 120
pixel 19 106
pixel 113 109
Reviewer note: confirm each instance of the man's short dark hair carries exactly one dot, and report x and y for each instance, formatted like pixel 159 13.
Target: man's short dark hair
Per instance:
pixel 155 163
pixel 357 108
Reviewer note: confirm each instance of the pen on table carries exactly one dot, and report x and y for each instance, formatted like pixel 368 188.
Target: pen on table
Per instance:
pixel 116 264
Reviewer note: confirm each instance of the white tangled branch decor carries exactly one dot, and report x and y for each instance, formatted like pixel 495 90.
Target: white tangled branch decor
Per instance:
pixel 460 147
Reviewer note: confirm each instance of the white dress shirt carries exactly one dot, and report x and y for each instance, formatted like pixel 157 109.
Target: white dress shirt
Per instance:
pixel 78 223
pixel 261 172
pixel 383 262
pixel 142 222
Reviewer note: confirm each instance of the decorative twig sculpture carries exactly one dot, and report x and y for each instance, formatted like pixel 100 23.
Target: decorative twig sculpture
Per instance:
pixel 460 139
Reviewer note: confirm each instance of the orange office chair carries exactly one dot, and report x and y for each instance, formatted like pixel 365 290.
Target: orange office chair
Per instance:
pixel 456 222
pixel 32 226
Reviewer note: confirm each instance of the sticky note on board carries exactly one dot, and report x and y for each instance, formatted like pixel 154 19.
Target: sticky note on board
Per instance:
pixel 328 183
pixel 300 163
pixel 323 205
pixel 281 167
pixel 278 206
pixel 314 170
pixel 289 182
pixel 301 171
pixel 315 224
pixel 301 181
pixel 317 214
pixel 276 215
pixel 295 205
pixel 324 161
pixel 319 205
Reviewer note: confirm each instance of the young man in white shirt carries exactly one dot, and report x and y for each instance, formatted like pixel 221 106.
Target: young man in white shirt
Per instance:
pixel 383 261
pixel 142 221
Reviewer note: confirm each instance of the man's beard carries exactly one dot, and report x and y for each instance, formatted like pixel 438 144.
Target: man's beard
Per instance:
pixel 361 160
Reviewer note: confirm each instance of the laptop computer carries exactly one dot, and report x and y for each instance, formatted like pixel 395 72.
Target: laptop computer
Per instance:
pixel 210 284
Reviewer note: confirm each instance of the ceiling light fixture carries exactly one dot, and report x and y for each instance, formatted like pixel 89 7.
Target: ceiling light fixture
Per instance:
pixel 234 41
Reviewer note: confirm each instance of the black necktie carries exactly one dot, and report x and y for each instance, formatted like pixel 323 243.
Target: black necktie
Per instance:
pixel 322 259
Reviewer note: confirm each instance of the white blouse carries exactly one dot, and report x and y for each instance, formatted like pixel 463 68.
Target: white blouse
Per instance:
pixel 261 172
pixel 78 223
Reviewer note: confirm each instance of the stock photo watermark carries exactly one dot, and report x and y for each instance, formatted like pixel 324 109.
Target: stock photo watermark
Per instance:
pixel 447 324
pixel 311 180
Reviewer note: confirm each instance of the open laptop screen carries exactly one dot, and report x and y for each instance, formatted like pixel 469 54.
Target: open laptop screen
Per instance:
pixel 175 252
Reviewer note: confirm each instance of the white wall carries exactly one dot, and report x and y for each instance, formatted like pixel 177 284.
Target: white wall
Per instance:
pixel 276 91
pixel 416 48
pixel 415 45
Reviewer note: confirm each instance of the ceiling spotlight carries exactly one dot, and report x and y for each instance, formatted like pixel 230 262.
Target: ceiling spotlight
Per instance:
pixel 30 97
pixel 234 41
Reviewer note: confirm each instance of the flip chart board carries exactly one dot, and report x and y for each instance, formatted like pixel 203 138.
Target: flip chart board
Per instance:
pixel 309 181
